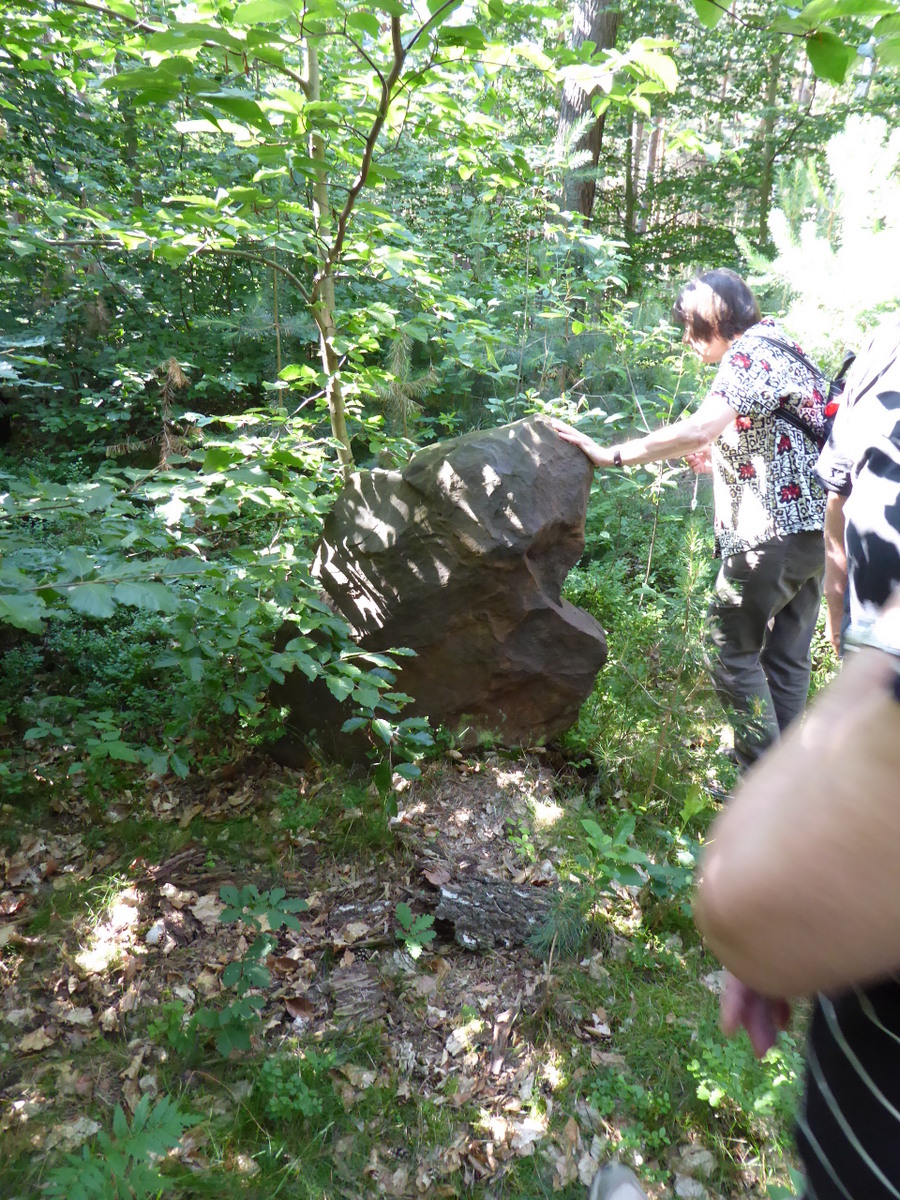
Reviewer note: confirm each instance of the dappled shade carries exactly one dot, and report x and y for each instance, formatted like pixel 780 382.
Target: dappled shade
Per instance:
pixel 461 556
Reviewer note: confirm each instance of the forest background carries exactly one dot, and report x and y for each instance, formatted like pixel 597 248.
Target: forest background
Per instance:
pixel 247 247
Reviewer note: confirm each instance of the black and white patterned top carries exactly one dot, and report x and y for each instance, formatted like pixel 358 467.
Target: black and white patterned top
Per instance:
pixel 763 480
pixel 862 460
pixel 848 1131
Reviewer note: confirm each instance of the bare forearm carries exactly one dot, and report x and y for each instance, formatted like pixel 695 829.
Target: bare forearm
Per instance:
pixel 675 441
pixel 800 890
pixel 835 565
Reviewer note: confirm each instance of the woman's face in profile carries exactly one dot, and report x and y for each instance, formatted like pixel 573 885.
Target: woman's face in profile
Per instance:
pixel 708 352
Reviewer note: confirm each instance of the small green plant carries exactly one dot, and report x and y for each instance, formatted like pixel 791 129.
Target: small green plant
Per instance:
pixel 233 1025
pixel 523 842
pixel 299 1086
pixel 124 1163
pixel 643 1113
pixel 415 932
pixel 296 811
pixel 396 746
pixel 610 857
pixel 729 1076
pixel 170 1026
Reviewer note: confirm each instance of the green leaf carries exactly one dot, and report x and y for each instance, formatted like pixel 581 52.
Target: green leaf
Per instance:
pixel 694 802
pixel 121 752
pixel 238 106
pixel 366 22
pixel 658 66
pixel 818 11
pixel 353 724
pixel 888 51
pixel 120 1122
pixel 407 770
pixel 152 597
pixel 254 12
pixel 708 14
pixel 77 564
pixel 383 729
pixel 366 695
pixel 829 56
pixel 628 877
pixel 339 687
pixel 593 830
pixel 469 36
pixel 92 599
pixel 179 766
pixel 23 611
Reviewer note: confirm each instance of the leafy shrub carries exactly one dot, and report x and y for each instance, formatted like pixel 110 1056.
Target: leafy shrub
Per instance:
pixel 643 727
pixel 731 1079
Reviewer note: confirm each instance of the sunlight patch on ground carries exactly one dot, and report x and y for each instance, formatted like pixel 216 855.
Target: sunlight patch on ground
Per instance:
pixel 109 939
pixel 510 777
pixel 552 1073
pixel 547 812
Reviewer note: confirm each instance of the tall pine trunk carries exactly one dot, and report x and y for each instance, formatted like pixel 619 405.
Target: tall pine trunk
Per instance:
pixel 596 21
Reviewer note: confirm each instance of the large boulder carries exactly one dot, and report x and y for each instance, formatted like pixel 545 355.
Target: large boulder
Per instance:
pixel 461 556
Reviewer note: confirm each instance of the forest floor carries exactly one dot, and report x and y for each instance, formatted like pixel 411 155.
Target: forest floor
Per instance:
pixel 477 1067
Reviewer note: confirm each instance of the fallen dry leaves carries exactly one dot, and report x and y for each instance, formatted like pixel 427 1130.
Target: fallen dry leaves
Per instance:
pixel 450 1022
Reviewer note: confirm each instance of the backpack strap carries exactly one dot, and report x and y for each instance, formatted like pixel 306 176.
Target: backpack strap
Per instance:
pixel 793 418
pixel 798 355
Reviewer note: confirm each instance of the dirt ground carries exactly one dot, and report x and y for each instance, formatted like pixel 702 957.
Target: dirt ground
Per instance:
pixel 459 1025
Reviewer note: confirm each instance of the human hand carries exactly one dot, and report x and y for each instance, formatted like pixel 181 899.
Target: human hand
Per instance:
pixel 700 461
pixel 761 1016
pixel 599 455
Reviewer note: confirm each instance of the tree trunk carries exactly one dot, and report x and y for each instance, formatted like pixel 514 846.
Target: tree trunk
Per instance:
pixel 768 147
pixel 630 199
pixel 596 21
pixel 649 175
pixel 323 308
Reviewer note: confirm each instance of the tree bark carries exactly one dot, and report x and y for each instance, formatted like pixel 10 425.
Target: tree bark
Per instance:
pixel 323 306
pixel 768 147
pixel 653 148
pixel 596 21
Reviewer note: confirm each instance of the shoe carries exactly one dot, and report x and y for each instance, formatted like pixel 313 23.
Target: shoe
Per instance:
pixel 616 1182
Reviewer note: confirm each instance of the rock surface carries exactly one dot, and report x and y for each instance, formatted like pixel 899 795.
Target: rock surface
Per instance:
pixel 461 556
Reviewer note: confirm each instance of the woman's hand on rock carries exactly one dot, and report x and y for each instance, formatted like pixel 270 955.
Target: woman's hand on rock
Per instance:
pixel 600 456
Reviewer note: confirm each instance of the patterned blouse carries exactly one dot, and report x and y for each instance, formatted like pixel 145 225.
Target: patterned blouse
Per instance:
pixel 763 479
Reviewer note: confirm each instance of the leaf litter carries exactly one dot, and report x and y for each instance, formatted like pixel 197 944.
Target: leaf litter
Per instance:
pixel 452 1022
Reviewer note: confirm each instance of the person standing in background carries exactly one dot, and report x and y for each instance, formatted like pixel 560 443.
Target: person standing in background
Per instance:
pixel 799 891
pixel 769 507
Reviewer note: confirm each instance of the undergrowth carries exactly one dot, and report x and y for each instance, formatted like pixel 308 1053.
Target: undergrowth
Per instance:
pixel 620 1036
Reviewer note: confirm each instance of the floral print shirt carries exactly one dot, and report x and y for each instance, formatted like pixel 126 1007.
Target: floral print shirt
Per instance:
pixel 763 480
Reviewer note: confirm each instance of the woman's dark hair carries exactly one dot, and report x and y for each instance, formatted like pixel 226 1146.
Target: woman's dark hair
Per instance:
pixel 715 304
